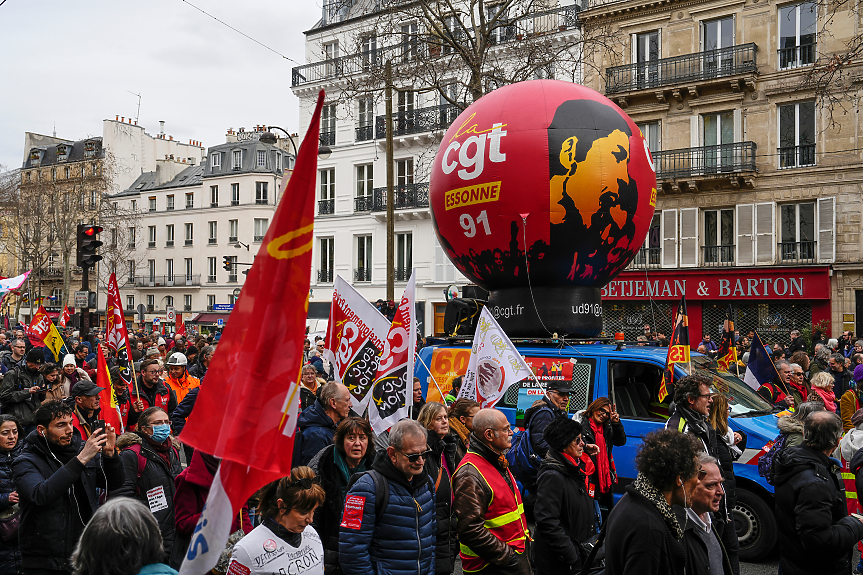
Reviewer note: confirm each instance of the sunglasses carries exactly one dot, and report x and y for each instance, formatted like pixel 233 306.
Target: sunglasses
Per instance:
pixel 305 482
pixel 414 457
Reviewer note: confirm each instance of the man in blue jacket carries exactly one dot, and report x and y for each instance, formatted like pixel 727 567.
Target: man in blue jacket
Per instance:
pixel 396 535
pixel 318 422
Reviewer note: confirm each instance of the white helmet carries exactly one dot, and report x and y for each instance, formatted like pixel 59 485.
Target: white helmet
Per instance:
pixel 178 359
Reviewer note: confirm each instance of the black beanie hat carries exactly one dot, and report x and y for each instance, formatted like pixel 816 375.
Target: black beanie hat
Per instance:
pixel 561 432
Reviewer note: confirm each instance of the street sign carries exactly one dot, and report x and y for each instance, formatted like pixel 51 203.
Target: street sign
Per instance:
pixel 142 309
pixel 220 322
pixel 156 321
pixel 171 314
pixel 81 298
pixel 223 307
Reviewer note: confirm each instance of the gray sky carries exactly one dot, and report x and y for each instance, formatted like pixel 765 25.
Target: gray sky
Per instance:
pixel 74 63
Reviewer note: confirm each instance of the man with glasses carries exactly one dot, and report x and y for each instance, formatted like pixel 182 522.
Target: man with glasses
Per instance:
pixel 797 384
pixel 10 360
pixel 388 525
pixel 776 391
pixel 151 392
pixel 492 527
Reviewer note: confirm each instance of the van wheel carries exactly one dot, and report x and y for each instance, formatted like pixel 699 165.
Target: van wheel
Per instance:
pixel 755 526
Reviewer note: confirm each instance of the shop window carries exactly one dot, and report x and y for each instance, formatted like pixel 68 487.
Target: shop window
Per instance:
pixel 632 317
pixel 772 320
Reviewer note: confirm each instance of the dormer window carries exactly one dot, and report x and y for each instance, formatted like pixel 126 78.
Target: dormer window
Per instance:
pixel 237 162
pixel 62 153
pixel 89 149
pixel 262 159
pixel 35 156
pixel 216 161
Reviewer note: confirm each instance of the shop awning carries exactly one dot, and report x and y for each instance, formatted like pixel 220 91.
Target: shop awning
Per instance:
pixel 208 318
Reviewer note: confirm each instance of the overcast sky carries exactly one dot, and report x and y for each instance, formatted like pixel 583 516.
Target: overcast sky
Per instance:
pixel 73 64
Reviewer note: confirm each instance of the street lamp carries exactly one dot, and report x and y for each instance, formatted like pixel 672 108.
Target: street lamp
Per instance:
pixel 268 137
pixel 240 245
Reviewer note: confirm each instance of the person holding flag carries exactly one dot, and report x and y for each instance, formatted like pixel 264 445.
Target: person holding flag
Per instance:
pixel 117 336
pixel 768 380
pixel 46 332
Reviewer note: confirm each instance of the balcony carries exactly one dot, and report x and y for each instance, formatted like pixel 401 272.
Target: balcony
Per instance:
pixel 188 242
pixel 212 241
pixel 364 133
pixel 261 201
pixel 187 308
pixel 728 161
pixel 258 238
pixel 696 68
pixel 363 204
pixel 796 56
pixel 326 207
pixel 647 258
pixel 796 253
pixel 214 204
pixel 191 206
pixel 131 245
pixel 363 275
pixel 232 278
pixel 235 202
pixel 169 243
pixel 402 274
pixel 328 138
pixel 211 279
pixel 169 208
pixel 151 308
pixel 325 276
pixel 232 239
pixel 717 256
pixel 429 119
pixel 151 244
pixel 406 196
pixel 796 156
pixel 166 281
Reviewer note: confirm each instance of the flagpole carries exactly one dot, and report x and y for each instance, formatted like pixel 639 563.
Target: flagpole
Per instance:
pixel 432 378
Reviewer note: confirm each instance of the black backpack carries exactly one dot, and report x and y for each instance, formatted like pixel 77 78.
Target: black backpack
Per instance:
pixel 767 462
pixel 382 489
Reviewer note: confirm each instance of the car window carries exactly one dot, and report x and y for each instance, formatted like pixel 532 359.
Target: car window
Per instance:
pixel 634 387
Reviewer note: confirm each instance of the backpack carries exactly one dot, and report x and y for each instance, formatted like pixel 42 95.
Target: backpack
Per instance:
pixel 382 489
pixel 523 462
pixel 767 461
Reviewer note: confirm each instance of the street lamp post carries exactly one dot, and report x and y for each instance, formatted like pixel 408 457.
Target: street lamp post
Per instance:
pixel 269 138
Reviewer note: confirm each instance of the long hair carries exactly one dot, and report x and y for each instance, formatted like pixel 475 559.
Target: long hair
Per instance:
pixel 718 417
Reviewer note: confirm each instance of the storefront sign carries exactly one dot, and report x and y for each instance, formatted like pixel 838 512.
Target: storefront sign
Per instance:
pixel 752 283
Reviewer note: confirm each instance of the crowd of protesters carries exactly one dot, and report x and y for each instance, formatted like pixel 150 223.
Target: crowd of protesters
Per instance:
pixel 434 493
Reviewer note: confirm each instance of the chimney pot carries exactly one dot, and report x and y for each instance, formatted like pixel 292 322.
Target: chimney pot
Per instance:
pixel 123 119
pixel 136 122
pixel 162 127
pixel 117 118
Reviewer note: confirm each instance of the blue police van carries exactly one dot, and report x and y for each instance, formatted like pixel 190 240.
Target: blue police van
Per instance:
pixel 631 377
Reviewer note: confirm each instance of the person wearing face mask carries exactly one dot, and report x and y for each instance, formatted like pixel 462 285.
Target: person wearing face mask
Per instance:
pixel 285 542
pixel 642 529
pixel 352 452
pixel 10 448
pixel 151 465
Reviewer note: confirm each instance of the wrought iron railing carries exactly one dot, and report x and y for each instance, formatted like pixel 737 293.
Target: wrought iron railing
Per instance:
pixel 212 241
pixel 364 133
pixel 402 274
pixel 325 276
pixel 363 275
pixel 798 252
pixel 705 161
pixel 169 243
pixel 695 67
pixel 647 258
pixel 328 138
pixel 796 56
pixel 363 204
pixel 177 280
pixel 326 207
pixel 405 196
pixel 189 242
pixel 151 244
pixel 796 156
pixel 419 120
pixel 717 256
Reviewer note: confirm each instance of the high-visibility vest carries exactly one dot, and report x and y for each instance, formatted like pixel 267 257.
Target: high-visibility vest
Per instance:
pixel 850 487
pixel 504 517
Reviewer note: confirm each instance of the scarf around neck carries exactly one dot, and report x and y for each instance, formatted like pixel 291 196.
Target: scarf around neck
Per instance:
pixel 456 425
pixel 602 465
pixel 652 494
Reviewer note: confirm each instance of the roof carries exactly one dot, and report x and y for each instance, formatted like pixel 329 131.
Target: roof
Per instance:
pixel 53 155
pixel 148 181
pixel 191 176
pixel 249 159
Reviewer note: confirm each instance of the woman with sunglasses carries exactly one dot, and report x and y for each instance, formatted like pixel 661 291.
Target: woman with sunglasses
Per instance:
pixel 601 425
pixel 285 542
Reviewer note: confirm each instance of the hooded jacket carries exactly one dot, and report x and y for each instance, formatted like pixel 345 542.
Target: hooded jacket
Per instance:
pixel 57 499
pixel 447 539
pixel 816 535
pixel 10 555
pixel 191 488
pixel 793 428
pixel 317 431
pixel 402 540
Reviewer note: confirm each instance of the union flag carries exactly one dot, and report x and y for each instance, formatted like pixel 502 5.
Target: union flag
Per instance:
pixel 116 334
pixel 727 354
pixel 64 317
pixel 678 348
pixel 107 397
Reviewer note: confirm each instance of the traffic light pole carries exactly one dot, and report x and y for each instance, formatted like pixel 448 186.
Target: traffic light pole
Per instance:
pixel 84 312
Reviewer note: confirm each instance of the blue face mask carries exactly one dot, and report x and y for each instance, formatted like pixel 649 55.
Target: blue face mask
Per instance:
pixel 161 432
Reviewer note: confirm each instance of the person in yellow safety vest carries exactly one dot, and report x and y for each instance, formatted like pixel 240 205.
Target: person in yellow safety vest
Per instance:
pixel 492 528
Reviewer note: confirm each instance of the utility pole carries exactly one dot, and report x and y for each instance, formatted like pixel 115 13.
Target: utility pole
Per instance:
pixel 390 185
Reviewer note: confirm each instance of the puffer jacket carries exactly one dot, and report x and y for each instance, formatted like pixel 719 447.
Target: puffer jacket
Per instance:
pixel 443 450
pixel 816 535
pixel 316 432
pixel 402 540
pixel 15 396
pixel 329 514
pixel 793 428
pixel 10 554
pixel 157 475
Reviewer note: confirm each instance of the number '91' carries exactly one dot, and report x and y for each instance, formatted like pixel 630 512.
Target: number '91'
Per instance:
pixel 469 227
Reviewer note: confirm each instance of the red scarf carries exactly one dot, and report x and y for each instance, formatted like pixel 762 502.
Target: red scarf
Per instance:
pixel 585 465
pixel 602 465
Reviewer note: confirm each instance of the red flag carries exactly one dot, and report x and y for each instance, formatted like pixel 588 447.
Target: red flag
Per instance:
pixel 247 412
pixel 38 328
pixel 678 349
pixel 107 398
pixel 116 334
pixel 180 327
pixel 64 317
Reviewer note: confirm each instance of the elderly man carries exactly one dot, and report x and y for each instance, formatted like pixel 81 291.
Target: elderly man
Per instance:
pixel 388 525
pixel 318 423
pixel 774 391
pixel 202 363
pixel 492 527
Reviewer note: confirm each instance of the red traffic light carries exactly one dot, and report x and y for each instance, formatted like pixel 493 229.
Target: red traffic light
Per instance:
pixel 92 230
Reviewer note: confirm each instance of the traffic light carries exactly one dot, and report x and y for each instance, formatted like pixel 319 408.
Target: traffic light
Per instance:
pixel 88 243
pixel 229 264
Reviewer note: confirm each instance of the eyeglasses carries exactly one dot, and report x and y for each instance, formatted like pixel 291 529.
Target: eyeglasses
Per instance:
pixel 414 457
pixel 604 412
pixel 305 482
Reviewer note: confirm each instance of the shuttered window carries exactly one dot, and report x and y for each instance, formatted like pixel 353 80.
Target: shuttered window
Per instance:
pixel 744 226
pixel 688 237
pixel 669 238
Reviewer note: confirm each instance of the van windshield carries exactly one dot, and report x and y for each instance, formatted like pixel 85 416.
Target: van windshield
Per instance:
pixel 742 400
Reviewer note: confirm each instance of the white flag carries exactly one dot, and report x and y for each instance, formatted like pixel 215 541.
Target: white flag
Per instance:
pixel 494 363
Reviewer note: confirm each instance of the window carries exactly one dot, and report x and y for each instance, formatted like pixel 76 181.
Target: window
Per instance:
pixel 651 131
pixel 405 100
pixel 190 200
pixel 152 204
pixel 94 199
pixel 169 270
pixel 718 130
pixel 365 185
pixel 363 271
pixel 409 41
pixel 369 48
pixel 237 156
pixel 233 226
pixel 645 53
pixel 718 237
pixel 328 125
pixel 187 302
pixel 278 162
pixel 131 233
pixel 216 160
pixel 325 271
pixel 797 35
pixel 134 205
pixel 404 256
pixel 53 174
pixel 169 202
pixel 405 172
pixel 261 225
pixel 188 265
pixel 235 194
pixel 797 232
pixel 262 159
pixel 151 236
pixel 331 52
pixel 797 135
pixel 151 270
pixel 66 172
pixel 169 236
pixel 189 234
pixel 211 302
pixel 213 232
pixel 502 30
pixel 131 268
pixel 211 270
pixel 169 301
pixel 715 36
pixel 130 302
pixel 261 192
pixel 214 196
pixel 232 275
pixel 113 237
pixel 151 303
pixel 635 388
pixel 453 29
pixel 367 116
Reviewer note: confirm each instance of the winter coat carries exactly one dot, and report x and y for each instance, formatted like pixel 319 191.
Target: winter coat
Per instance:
pixel 446 549
pixel 317 431
pixel 183 411
pixel 148 397
pixel 70 381
pixel 156 477
pixel 198 369
pixel 15 396
pixel 191 488
pixel 329 515
pixel 402 540
pixel 843 381
pixel 52 512
pixel 697 555
pixel 848 404
pixel 565 516
pixel 10 554
pixel 793 428
pixel 536 419
pixel 797 344
pixel 816 535
pixel 157 569
pixel 850 444
pixel 183 385
pixel 615 436
pixel 685 420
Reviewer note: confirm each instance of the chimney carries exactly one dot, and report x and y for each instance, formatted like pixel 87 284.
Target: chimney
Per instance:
pixel 136 122
pixel 123 119
pixel 162 128
pixel 171 138
pixel 117 118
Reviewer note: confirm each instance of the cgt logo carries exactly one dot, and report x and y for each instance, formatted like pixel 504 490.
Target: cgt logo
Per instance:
pixel 472 153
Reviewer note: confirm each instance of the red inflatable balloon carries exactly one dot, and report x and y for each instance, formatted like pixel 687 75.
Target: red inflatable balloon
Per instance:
pixel 545 186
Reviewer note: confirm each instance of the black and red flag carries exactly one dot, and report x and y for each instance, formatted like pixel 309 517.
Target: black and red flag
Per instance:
pixel 678 348
pixel 727 354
